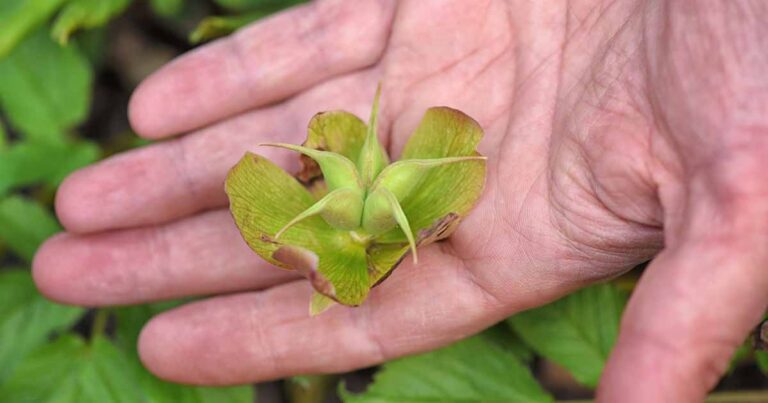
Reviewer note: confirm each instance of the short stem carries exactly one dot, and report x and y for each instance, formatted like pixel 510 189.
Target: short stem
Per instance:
pixel 99 325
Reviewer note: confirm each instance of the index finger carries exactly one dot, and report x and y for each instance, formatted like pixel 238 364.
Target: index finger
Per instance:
pixel 261 64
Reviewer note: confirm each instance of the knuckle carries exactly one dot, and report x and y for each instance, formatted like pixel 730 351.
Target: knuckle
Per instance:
pixel 734 178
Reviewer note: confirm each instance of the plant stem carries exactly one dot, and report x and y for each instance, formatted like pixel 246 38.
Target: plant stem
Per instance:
pixel 310 388
pixel 99 324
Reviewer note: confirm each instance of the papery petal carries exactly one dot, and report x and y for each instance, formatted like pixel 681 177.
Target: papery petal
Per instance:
pixel 263 198
pixel 449 189
pixel 336 131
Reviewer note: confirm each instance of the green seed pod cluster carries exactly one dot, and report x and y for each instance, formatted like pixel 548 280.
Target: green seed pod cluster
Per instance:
pixel 351 216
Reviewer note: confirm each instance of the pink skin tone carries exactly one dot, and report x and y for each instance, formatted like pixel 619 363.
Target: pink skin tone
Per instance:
pixel 616 132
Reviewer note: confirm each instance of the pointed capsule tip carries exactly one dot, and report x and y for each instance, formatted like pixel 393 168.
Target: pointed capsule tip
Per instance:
pixel 279 233
pixel 279 145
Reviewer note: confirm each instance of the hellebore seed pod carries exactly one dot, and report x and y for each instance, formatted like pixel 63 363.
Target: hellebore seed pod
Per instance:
pixel 351 216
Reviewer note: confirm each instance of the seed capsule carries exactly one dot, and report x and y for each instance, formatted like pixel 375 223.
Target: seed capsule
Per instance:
pixel 373 158
pixel 402 177
pixel 338 171
pixel 383 212
pixel 341 208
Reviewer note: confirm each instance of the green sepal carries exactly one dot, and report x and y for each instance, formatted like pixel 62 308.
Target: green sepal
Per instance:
pixel 452 189
pixel 382 259
pixel 319 303
pixel 339 270
pixel 263 198
pixel 339 132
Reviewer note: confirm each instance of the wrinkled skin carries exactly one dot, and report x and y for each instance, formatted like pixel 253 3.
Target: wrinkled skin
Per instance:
pixel 616 132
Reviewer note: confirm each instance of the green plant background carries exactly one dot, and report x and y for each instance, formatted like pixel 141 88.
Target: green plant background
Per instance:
pixel 55 56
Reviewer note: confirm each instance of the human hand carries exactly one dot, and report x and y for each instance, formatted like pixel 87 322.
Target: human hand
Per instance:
pixel 614 131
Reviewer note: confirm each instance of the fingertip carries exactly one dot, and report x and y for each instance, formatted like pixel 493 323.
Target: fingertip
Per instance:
pixel 83 198
pixel 78 270
pixel 48 271
pixel 172 343
pixel 154 109
pixel 140 115
pixel 69 205
pixel 155 351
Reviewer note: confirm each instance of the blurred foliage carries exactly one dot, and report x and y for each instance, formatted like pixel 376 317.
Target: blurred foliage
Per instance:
pixel 24 225
pixel 167 8
pixel 19 17
pixel 81 14
pixel 27 318
pixel 473 370
pixel 577 331
pixel 44 88
pixel 51 54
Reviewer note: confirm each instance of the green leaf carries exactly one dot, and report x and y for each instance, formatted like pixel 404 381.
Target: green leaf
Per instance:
pixel 577 332
pixel 742 353
pixel 84 14
pixel 44 88
pixel 263 198
pixel 3 141
pixel 94 47
pixel 167 8
pixel 473 370
pixel 157 390
pixel 761 358
pixel 130 320
pixel 19 17
pixel 503 336
pixel 24 225
pixel 69 370
pixel 26 318
pixel 27 163
pixel 449 189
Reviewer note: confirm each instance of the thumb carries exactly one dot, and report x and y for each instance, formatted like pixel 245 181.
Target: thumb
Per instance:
pixel 695 304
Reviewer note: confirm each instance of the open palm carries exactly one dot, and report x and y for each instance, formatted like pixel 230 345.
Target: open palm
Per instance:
pixel 612 133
